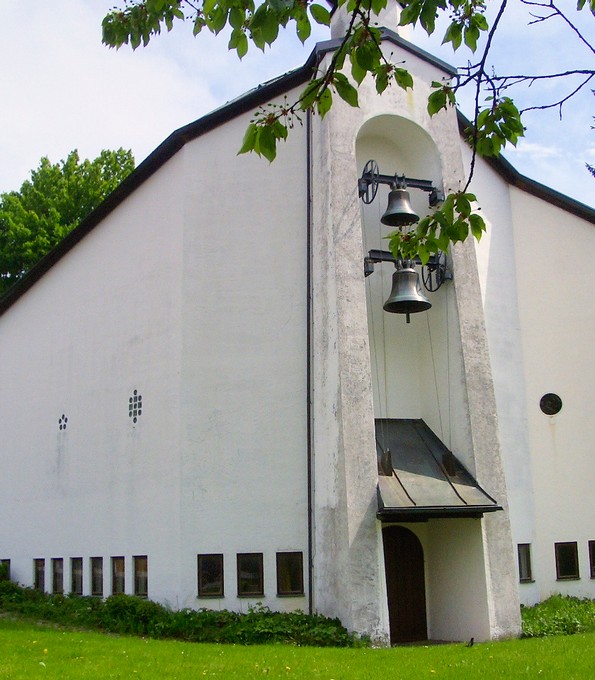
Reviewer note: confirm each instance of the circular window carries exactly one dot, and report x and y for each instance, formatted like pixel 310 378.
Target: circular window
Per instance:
pixel 550 404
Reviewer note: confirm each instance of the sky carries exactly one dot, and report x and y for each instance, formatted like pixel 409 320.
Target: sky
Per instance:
pixel 61 89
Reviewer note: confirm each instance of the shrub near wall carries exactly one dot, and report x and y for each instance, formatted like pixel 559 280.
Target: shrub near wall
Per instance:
pixel 127 614
pixel 559 615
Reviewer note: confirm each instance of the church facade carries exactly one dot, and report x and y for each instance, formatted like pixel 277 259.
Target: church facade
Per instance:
pixel 202 400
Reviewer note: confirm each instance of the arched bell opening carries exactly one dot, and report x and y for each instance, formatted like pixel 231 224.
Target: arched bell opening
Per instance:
pixel 416 367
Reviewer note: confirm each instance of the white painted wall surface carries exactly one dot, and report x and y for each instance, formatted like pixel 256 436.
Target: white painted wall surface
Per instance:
pixel 104 321
pixel 535 271
pixel 244 358
pixel 193 292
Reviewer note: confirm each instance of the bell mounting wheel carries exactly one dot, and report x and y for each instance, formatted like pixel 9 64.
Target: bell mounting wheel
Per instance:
pixel 433 273
pixel 370 177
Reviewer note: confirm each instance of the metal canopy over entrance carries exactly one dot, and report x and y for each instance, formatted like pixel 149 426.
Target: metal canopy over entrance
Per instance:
pixel 420 479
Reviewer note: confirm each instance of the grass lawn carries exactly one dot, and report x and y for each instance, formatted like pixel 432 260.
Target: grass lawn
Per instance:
pixel 28 652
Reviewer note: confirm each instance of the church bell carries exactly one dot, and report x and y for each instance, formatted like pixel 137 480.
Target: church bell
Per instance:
pixel 406 296
pixel 399 212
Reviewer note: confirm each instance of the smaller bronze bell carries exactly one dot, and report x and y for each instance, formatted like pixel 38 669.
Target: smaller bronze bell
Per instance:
pixel 406 296
pixel 399 212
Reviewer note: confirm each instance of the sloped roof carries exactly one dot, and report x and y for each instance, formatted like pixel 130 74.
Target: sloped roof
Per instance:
pixel 244 104
pixel 420 479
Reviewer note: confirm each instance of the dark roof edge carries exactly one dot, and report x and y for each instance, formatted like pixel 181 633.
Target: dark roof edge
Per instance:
pixel 508 172
pixel 422 514
pixel 243 104
pixel 168 148
pixel 396 39
pixel 172 144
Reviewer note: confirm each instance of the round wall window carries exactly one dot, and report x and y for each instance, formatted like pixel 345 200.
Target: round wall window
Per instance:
pixel 550 404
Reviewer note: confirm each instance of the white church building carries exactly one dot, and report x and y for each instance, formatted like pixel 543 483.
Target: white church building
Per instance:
pixel 203 401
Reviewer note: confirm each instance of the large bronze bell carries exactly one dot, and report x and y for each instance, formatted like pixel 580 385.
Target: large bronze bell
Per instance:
pixel 406 296
pixel 399 212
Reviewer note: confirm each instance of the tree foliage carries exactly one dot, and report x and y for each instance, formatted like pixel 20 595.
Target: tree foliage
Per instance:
pixel 496 120
pixel 50 204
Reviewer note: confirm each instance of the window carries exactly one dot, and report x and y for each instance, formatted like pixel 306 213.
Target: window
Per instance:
pixel 566 561
pixel 4 570
pixel 591 558
pixel 97 576
pixel 290 573
pixel 524 555
pixel 250 574
pixel 141 576
pixel 57 575
pixel 39 574
pixel 210 575
pixel 76 575
pixel 118 581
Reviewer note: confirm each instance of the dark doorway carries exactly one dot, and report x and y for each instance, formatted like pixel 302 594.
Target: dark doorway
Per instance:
pixel 405 584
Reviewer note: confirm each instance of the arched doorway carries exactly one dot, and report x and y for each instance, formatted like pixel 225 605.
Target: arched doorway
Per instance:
pixel 405 584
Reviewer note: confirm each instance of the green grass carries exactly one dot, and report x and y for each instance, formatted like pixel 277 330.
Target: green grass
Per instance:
pixel 29 651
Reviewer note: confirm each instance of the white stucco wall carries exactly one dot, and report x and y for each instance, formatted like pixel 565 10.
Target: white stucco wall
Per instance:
pixel 192 292
pixel 535 271
pixel 104 321
pixel 244 358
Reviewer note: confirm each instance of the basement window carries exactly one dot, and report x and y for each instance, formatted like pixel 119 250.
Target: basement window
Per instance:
pixel 57 575
pixel 5 570
pixel 290 573
pixel 118 578
pixel 210 575
pixel 39 574
pixel 76 575
pixel 97 576
pixel 566 561
pixel 250 575
pixel 524 558
pixel 592 557
pixel 141 576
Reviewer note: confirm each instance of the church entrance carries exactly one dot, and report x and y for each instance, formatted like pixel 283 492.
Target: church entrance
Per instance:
pixel 405 584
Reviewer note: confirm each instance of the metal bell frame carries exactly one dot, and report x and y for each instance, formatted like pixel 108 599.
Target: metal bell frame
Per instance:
pixel 406 296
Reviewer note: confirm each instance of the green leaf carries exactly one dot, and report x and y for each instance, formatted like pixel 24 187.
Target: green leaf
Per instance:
pixel 357 72
pixel 320 14
pixel 324 102
pixel 404 78
pixel 381 76
pixel 367 56
pixel 249 140
pixel 454 35
pixel 303 28
pixel 471 35
pixel 428 17
pixel 266 144
pixel 310 93
pixel 345 89
pixel 478 226
pixel 436 102
pixel 410 13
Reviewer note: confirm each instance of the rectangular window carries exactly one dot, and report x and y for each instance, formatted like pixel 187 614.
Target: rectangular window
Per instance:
pixel 591 558
pixel 141 576
pixel 524 556
pixel 4 570
pixel 118 581
pixel 290 573
pixel 250 575
pixel 210 575
pixel 57 575
pixel 39 575
pixel 97 576
pixel 566 561
pixel 76 575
